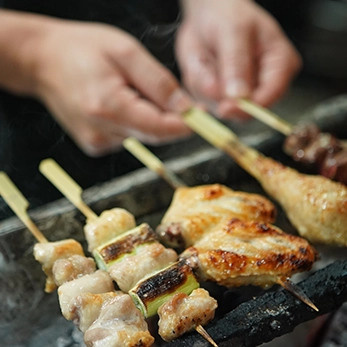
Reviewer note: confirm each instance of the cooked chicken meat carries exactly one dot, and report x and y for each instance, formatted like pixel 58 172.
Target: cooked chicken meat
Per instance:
pixel 183 313
pixel 85 308
pixel 315 205
pixel 195 211
pixel 237 253
pixel 96 283
pixel 48 253
pixel 147 259
pixel 108 225
pixel 119 324
pixel 65 270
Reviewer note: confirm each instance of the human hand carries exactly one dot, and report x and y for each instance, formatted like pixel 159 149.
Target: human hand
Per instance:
pixel 103 86
pixel 233 48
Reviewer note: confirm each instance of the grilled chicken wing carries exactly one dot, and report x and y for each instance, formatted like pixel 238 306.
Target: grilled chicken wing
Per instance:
pixel 195 211
pixel 315 205
pixel 183 313
pixel 239 253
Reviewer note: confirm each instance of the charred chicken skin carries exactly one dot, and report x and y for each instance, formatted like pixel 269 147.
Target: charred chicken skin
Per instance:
pixel 237 253
pixel 196 211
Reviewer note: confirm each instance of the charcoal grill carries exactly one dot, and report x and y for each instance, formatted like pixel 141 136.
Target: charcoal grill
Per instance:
pixel 245 317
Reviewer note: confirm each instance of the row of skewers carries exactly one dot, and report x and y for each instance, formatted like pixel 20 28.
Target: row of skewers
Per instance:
pixel 67 267
pixel 87 296
pixel 227 237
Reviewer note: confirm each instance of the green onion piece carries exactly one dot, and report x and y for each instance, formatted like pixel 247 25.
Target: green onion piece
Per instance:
pixel 150 293
pixel 123 245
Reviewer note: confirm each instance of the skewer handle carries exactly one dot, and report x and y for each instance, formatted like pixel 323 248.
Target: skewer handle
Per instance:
pixel 19 205
pixel 66 185
pixel 265 116
pixel 138 150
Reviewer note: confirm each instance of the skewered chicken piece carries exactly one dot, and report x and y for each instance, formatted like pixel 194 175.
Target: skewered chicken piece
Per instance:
pixel 67 269
pixel 109 224
pixel 48 253
pixel 315 205
pixel 119 323
pixel 306 144
pixel 197 309
pixel 237 253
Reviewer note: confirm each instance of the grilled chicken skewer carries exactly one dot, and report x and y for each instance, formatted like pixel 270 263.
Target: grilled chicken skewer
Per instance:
pixel 305 143
pixel 214 220
pixel 86 295
pixel 315 205
pixel 102 229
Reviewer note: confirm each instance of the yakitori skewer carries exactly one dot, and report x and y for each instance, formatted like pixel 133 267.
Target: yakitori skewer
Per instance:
pixel 19 205
pixel 315 205
pixel 60 179
pixel 151 161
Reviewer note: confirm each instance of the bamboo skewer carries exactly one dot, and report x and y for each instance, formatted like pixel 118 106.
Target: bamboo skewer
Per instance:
pixel 221 136
pixel 17 202
pixel 66 185
pixel 266 116
pixel 296 291
pixel 139 151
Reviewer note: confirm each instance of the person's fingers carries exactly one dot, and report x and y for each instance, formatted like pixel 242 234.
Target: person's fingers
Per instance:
pixel 149 124
pixel 197 66
pixel 236 59
pixel 151 78
pixel 277 69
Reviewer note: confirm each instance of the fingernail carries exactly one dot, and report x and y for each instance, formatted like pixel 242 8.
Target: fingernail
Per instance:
pixel 237 89
pixel 179 101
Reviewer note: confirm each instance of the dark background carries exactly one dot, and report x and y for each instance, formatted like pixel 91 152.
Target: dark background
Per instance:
pixel 29 134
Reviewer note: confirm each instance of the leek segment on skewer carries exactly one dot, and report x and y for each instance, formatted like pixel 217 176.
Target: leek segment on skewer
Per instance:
pixel 123 245
pixel 154 290
pixel 19 205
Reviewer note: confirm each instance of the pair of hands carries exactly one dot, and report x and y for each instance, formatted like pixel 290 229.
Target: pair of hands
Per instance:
pixel 103 86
